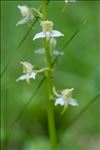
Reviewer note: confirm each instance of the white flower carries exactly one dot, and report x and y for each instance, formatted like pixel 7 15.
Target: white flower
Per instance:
pixel 28 72
pixel 26 14
pixel 47 31
pixel 65 98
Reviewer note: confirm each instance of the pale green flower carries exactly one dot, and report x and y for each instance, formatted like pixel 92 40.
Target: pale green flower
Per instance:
pixel 65 98
pixel 47 27
pixel 26 14
pixel 28 71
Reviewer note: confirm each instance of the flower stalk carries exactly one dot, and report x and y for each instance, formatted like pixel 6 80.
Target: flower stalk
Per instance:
pixel 51 122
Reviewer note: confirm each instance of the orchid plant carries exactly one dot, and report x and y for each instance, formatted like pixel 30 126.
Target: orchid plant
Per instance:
pixel 49 35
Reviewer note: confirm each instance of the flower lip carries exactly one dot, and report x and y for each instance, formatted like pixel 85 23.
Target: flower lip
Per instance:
pixel 59 101
pixel 27 76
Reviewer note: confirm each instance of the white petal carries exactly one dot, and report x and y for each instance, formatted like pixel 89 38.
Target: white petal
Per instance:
pixel 39 35
pixel 27 67
pixel 23 21
pixel 72 102
pixel 27 64
pixel 56 33
pixel 23 77
pixel 59 101
pixel 66 91
pixel 32 74
pixel 27 76
pixel 24 10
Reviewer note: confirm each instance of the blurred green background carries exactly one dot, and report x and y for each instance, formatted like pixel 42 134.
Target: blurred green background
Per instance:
pixel 78 68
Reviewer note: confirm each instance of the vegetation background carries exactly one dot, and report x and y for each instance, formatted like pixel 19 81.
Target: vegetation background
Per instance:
pixel 78 68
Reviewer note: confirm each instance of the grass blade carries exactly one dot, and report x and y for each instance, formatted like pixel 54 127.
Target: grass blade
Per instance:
pixel 68 42
pixel 16 51
pixel 28 102
pixel 76 117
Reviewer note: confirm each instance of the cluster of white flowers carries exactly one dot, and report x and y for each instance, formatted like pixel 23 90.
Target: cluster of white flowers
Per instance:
pixel 29 71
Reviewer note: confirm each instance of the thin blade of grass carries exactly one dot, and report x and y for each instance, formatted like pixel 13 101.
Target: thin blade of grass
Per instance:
pixel 77 116
pixel 16 51
pixel 68 42
pixel 29 101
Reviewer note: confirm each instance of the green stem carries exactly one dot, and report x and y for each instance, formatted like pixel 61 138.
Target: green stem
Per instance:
pixel 51 122
pixel 44 9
